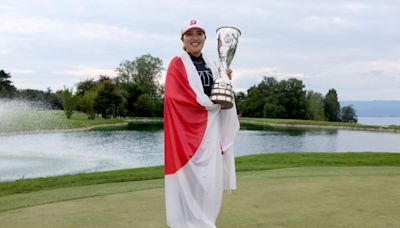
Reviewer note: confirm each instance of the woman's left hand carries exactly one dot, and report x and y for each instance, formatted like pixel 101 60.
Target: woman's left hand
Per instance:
pixel 229 73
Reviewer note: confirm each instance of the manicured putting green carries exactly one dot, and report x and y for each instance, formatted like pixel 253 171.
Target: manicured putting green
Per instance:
pixel 289 197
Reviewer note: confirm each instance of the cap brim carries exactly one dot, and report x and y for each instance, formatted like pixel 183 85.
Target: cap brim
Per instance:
pixel 194 27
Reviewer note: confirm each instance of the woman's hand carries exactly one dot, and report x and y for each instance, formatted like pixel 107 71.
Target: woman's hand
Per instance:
pixel 229 73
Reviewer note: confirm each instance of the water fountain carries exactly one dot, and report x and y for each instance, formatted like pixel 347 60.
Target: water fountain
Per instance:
pixel 28 149
pixel 20 115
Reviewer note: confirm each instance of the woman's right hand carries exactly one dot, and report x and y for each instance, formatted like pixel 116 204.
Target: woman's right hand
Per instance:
pixel 229 73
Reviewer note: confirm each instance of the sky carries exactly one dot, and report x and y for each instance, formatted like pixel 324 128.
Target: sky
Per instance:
pixel 351 46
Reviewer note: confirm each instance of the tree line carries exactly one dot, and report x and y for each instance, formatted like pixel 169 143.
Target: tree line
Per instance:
pixel 9 91
pixel 287 99
pixel 136 91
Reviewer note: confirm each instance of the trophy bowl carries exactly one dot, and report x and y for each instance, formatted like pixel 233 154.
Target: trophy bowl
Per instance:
pixel 228 39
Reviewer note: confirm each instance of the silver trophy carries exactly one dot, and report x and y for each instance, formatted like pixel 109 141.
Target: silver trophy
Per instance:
pixel 222 92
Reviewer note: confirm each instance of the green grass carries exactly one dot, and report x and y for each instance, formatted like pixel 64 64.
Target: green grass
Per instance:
pixel 395 127
pixel 314 197
pixel 80 120
pixel 38 184
pixel 285 160
pixel 274 190
pixel 57 120
pixel 35 120
pixel 292 197
pixel 46 196
pixel 52 120
pixel 272 121
pixel 246 163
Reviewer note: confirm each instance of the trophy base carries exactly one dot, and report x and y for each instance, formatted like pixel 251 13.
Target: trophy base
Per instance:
pixel 224 100
pixel 221 93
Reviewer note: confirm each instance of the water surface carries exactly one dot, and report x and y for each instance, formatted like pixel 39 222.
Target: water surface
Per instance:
pixel 48 154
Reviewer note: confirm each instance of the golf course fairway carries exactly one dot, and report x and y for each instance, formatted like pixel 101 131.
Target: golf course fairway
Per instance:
pixel 359 196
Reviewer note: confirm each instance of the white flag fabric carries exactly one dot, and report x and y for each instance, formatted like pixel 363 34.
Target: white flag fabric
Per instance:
pixel 199 158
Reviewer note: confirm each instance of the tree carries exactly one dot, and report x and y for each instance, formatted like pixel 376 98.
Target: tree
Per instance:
pixel 148 69
pixel 293 91
pixel 132 91
pixel 159 107
pixel 253 104
pixel 143 71
pixel 86 103
pixel 109 99
pixel 239 99
pixel 275 103
pixel 85 86
pixel 314 106
pixel 126 71
pixel 103 78
pixel 348 114
pixel 272 109
pixel 286 100
pixel 7 89
pixel 68 100
pixel 144 106
pixel 332 106
pixel 47 98
pixel 53 99
pixel 138 77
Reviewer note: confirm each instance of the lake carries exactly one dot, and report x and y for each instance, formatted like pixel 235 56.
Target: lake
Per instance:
pixel 57 153
pixel 383 121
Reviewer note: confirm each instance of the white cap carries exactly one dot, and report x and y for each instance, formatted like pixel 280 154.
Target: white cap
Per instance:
pixel 192 24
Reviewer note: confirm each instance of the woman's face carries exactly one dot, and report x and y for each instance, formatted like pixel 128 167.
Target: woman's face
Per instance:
pixel 193 41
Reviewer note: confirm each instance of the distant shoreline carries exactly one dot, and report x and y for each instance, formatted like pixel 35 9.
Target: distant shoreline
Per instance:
pixel 382 129
pixel 245 120
pixel 318 124
pixel 379 120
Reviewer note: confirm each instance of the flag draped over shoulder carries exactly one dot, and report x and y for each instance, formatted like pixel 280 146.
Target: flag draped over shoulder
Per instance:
pixel 199 159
